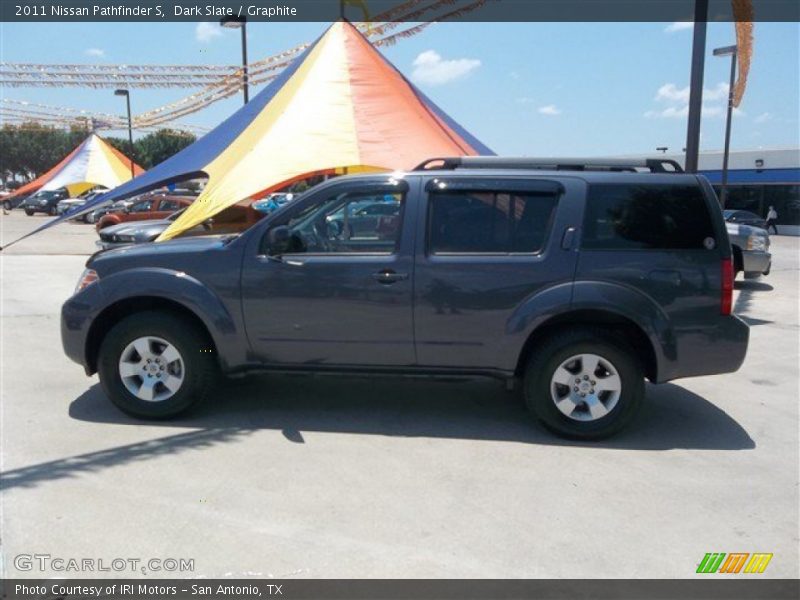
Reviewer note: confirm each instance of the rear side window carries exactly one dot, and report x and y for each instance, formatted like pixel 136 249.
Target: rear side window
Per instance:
pixel 169 205
pixel 466 222
pixel 646 217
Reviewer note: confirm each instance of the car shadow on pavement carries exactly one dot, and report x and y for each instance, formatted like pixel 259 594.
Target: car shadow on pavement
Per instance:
pixel 748 290
pixel 672 417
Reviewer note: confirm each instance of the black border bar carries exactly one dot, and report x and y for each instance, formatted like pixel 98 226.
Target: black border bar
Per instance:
pixel 746 587
pixel 331 10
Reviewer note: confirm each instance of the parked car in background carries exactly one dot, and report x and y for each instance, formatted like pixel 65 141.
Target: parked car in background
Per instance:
pixel 45 201
pixel 272 203
pixel 232 220
pixel 95 215
pixel 744 217
pixel 750 246
pixel 11 203
pixel 575 279
pixel 370 217
pixel 72 203
pixel 141 232
pixel 151 206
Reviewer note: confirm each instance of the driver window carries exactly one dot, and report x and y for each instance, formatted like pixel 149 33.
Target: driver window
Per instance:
pixel 348 223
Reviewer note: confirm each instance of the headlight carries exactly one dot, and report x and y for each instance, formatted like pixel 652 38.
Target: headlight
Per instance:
pixel 88 277
pixel 757 242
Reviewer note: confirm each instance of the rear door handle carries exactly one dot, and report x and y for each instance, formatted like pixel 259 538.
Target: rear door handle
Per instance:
pixel 387 276
pixel 568 238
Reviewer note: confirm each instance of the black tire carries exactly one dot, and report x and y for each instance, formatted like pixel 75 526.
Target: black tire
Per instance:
pixel 52 211
pixel 7 205
pixel 549 356
pixel 29 212
pixel 196 350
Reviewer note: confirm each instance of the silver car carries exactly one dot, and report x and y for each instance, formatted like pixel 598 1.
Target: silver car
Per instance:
pixel 750 245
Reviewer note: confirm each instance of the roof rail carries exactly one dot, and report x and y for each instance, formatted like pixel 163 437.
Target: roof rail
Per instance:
pixel 654 165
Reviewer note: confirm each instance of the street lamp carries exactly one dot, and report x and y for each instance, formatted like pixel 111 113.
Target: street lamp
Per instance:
pixel 727 51
pixel 662 149
pixel 232 22
pixel 127 95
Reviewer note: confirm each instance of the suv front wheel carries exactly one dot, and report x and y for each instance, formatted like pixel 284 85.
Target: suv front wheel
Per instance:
pixel 584 384
pixel 156 365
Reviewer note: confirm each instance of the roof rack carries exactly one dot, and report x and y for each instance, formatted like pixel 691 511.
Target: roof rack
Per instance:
pixel 654 165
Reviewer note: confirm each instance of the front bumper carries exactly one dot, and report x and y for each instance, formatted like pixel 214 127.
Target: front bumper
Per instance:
pixel 756 262
pixel 77 315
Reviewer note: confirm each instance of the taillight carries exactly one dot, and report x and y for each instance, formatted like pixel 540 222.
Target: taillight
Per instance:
pixel 726 305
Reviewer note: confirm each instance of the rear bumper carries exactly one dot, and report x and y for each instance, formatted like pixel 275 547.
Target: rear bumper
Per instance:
pixel 756 262
pixel 718 347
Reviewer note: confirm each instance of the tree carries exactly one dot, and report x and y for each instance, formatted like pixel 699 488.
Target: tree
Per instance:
pixel 30 149
pixel 156 147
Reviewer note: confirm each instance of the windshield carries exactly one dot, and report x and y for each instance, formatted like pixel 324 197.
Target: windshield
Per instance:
pixel 46 194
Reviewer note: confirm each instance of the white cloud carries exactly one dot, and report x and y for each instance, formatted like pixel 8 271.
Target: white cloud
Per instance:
pixel 550 110
pixel 671 92
pixel 720 92
pixel 671 112
pixel 676 100
pixel 431 68
pixel 678 26
pixel 763 117
pixel 95 52
pixel 205 31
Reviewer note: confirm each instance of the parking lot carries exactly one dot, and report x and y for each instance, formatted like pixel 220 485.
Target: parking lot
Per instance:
pixel 322 476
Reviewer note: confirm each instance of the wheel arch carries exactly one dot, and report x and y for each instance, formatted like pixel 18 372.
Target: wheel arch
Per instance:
pixel 597 318
pixel 115 312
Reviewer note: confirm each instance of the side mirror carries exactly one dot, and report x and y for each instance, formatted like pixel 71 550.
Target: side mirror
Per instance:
pixel 278 240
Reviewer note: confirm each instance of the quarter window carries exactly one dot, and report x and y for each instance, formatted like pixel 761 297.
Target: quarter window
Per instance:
pixel 620 217
pixel 473 222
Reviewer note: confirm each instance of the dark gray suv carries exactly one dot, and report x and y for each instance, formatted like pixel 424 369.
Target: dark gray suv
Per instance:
pixel 579 278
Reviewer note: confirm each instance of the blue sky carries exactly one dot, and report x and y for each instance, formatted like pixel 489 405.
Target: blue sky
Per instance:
pixel 522 88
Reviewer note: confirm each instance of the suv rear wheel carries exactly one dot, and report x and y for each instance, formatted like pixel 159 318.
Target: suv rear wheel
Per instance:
pixel 584 384
pixel 156 365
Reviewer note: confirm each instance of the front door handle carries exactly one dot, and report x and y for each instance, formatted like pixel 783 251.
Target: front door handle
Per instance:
pixel 387 276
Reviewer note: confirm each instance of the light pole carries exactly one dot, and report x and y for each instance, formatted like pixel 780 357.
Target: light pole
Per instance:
pixel 240 23
pixel 727 51
pixel 696 85
pixel 127 95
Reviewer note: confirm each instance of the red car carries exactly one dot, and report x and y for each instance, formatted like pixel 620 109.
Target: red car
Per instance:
pixel 153 206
